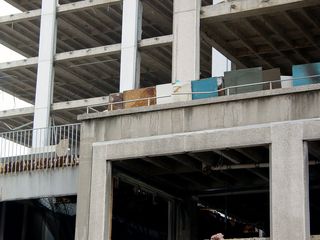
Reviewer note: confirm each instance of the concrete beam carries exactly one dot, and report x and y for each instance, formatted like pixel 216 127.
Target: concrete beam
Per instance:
pixel 89 52
pixel 39 184
pixel 187 142
pixel 156 42
pixel 28 62
pixel 78 104
pixel 19 112
pixel 18 17
pixel 60 106
pixel 235 137
pixel 62 9
pixel 245 8
pixel 84 5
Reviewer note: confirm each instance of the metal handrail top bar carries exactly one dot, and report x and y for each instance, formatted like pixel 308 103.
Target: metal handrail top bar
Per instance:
pixel 35 129
pixel 208 92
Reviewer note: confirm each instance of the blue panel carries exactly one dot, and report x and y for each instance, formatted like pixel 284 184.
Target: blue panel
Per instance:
pixel 301 74
pixel 205 85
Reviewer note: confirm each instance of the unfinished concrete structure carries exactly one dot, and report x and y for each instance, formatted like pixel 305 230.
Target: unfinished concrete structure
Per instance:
pixel 240 157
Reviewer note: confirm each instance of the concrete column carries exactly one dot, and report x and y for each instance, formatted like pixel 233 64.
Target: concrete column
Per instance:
pixel 45 75
pixel 289 183
pixel 101 197
pixel 131 34
pixel 88 137
pixel 186 40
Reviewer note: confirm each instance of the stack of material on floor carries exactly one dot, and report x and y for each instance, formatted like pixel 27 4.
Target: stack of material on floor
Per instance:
pixel 242 77
pixel 115 100
pixel 148 94
pixel 302 74
pixel 205 88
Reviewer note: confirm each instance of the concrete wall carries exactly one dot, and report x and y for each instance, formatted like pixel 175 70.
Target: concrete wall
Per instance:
pixel 223 112
pixel 37 184
pixel 217 113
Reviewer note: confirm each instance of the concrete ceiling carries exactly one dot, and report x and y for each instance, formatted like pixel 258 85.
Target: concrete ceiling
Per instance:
pixel 280 37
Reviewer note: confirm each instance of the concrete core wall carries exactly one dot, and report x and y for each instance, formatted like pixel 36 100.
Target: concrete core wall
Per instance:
pixel 250 112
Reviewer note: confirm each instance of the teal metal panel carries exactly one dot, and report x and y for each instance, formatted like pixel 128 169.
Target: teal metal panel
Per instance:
pixel 301 74
pixel 205 85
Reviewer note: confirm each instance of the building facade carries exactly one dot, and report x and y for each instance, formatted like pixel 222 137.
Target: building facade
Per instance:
pixel 200 154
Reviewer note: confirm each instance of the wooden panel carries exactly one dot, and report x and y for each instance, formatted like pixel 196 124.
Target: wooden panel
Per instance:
pixel 141 93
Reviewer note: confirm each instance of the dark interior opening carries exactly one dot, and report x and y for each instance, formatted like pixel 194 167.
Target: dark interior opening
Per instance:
pixel 314 186
pixel 37 219
pixel 138 214
pixel 214 191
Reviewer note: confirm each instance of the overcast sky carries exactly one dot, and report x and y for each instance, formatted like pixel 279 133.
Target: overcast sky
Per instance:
pixel 6 55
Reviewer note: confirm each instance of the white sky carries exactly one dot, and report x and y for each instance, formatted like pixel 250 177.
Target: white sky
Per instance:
pixel 7 55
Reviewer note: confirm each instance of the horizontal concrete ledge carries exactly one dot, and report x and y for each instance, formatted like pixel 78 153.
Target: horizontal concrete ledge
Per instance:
pixel 37 184
pixel 5 114
pixel 236 137
pixel 25 16
pixel 216 100
pixel 88 53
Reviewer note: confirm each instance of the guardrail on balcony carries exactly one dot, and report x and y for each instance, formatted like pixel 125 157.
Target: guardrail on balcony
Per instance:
pixel 39 149
pixel 226 91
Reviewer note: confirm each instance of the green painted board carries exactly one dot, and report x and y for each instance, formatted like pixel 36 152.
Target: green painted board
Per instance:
pixel 244 76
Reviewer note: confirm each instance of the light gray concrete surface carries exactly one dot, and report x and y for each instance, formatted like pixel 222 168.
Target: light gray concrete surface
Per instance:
pixel 289 187
pixel 289 183
pixel 231 121
pixel 45 71
pixel 225 112
pixel 37 184
pixel 131 34
pixel 100 217
pixel 186 40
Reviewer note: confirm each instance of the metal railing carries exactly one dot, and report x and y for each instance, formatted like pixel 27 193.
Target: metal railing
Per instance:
pixel 268 85
pixel 35 149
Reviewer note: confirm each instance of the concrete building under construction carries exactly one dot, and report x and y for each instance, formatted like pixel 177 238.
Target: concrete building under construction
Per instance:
pixel 132 135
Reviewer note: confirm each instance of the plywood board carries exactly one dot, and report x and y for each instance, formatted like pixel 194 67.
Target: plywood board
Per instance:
pixel 133 95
